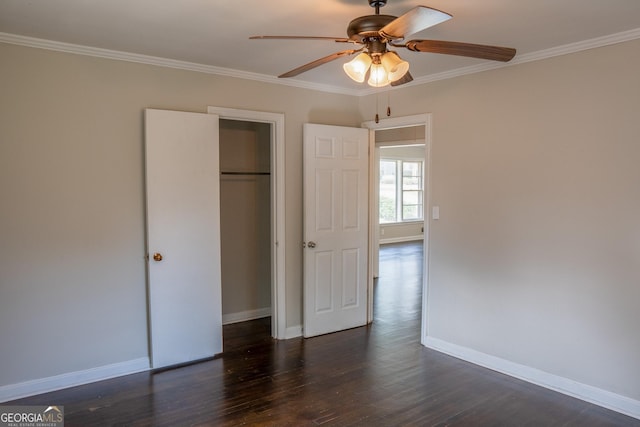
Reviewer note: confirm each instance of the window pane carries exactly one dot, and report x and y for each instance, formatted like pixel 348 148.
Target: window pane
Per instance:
pixel 411 191
pixel 411 197
pixel 411 176
pixel 388 191
pixel 411 169
pixel 411 183
pixel 410 212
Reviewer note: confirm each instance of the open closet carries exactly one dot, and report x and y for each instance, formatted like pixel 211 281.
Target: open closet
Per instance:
pixel 245 219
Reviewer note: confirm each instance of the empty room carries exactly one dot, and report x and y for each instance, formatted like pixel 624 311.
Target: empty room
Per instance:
pixel 190 223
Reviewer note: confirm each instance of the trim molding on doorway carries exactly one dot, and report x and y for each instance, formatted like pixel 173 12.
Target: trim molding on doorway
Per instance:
pixel 278 294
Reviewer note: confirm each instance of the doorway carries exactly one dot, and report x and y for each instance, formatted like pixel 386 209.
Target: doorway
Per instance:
pixel 245 220
pixel 399 185
pixel 252 182
pixel 399 123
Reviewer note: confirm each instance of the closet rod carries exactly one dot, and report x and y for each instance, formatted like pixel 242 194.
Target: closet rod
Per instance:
pixel 245 173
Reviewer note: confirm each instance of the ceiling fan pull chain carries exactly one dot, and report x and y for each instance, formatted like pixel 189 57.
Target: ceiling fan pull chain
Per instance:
pixel 388 103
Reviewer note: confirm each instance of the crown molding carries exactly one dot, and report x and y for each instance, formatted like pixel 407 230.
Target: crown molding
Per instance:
pixel 164 62
pixel 210 69
pixel 523 58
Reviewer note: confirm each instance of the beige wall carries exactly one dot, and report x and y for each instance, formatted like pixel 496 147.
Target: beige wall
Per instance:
pixel 401 232
pixel 72 269
pixel 534 168
pixel 535 256
pixel 400 136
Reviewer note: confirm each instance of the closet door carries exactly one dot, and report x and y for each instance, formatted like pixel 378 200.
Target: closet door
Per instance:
pixel 183 232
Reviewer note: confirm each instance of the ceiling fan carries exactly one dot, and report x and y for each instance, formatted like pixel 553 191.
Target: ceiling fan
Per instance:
pixel 374 34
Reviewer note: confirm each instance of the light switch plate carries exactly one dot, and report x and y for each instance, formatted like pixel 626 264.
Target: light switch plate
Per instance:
pixel 435 212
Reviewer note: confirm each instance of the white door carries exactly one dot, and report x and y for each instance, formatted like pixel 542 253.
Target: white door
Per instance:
pixel 335 228
pixel 183 236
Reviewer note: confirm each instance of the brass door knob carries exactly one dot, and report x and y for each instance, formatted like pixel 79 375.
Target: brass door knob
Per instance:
pixel 157 257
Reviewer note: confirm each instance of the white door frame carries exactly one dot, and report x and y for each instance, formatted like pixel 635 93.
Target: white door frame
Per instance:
pixel 278 294
pixel 399 122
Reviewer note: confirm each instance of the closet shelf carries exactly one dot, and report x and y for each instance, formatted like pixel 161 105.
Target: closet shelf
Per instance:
pixel 245 173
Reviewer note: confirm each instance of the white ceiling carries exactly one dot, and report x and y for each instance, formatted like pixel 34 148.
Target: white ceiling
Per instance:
pixel 215 33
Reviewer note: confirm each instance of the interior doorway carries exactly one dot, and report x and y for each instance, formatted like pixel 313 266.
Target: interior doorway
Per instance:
pixel 413 125
pixel 399 185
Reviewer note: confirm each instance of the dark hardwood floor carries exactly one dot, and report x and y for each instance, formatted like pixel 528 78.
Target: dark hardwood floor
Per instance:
pixel 378 375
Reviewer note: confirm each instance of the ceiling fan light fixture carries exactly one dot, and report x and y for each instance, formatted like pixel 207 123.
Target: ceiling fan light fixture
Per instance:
pixel 357 68
pixel 378 76
pixel 395 66
pixel 375 33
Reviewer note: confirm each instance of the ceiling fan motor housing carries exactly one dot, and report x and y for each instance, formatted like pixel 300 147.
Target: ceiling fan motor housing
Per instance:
pixel 367 26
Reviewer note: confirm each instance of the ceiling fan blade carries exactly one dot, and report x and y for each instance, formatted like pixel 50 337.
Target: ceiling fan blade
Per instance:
pixel 494 53
pixel 415 20
pixel 404 79
pixel 317 63
pixel 336 39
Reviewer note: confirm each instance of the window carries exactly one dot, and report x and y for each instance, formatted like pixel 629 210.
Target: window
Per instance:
pixel 401 191
pixel 388 191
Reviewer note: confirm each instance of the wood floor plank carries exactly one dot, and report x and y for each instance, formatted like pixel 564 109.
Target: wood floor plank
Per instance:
pixel 377 375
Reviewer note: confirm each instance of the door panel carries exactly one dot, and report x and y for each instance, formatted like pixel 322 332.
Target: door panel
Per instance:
pixel 335 229
pixel 350 209
pixel 324 197
pixel 350 279
pixel 324 274
pixel 183 220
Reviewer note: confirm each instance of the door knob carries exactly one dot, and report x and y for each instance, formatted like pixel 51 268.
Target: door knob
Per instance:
pixel 311 244
pixel 157 256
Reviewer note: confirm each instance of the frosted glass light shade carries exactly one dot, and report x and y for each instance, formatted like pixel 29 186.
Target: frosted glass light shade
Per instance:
pixel 357 67
pixel 378 76
pixel 394 65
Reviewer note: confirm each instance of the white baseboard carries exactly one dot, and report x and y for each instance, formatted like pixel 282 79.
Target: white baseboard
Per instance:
pixel 71 379
pixel 401 239
pixel 243 316
pixel 597 396
pixel 293 332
